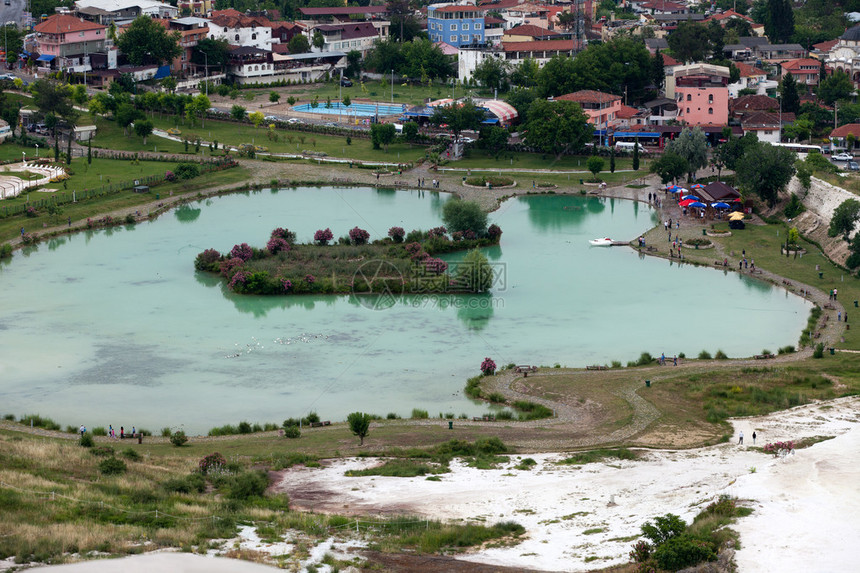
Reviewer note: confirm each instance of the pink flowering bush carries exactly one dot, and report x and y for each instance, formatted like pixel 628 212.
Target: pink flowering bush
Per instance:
pixel 31 212
pixel 435 266
pixel 287 284
pixel 277 245
pixel 413 248
pixel 212 462
pixel 169 175
pixel 284 234
pixel 437 232
pixel 310 279
pixel 358 236
pixel 229 265
pixel 396 234
pixel 457 236
pixel 322 237
pixel 494 232
pixel 419 256
pixel 776 447
pixel 240 278
pixel 243 251
pixel 488 367
pixel 469 234
pixel 206 260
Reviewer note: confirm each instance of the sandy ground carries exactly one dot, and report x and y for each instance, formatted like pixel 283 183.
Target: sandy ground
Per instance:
pixel 582 518
pixel 172 562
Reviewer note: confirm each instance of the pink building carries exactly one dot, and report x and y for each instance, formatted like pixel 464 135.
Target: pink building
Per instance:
pixel 703 96
pixel 66 42
pixel 601 108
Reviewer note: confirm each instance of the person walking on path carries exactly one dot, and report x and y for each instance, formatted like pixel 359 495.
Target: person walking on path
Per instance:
pixel 741 438
pixel 754 437
pixel 82 430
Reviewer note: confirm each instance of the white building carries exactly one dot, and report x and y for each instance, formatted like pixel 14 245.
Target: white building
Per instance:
pixel 241 30
pixel 130 9
pixel 751 78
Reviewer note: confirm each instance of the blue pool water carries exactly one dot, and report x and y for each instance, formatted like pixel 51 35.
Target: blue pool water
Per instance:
pixel 356 109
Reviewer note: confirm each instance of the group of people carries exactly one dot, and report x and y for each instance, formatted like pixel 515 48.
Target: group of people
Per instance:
pixel 655 200
pixel 741 438
pixel 112 433
pixel 663 360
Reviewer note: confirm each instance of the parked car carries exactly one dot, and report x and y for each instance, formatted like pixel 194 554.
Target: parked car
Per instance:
pixel 844 156
pixel 853 166
pixel 271 118
pixel 346 82
pixel 294 120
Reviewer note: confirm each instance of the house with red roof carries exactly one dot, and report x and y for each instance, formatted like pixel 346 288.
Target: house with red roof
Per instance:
pixel 239 29
pixel 65 42
pixel 629 116
pixel 804 70
pixel 751 78
pixel 541 51
pixel 601 108
pixel 766 124
pixel 839 137
pixel 527 33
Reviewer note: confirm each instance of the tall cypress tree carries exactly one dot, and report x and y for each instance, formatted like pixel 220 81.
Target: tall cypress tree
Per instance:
pixel 658 71
pixel 788 91
pixel 779 25
pixel 636 155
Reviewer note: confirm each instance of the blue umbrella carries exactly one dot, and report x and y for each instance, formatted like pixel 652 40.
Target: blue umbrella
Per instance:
pixel 693 197
pixel 720 205
pixel 674 189
pixel 697 186
pixel 698 204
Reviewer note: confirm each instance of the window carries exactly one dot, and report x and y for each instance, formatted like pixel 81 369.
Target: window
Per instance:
pixel 253 36
pixel 689 97
pixel 453 27
pixel 465 27
pixel 452 39
pixel 710 111
pixel 237 37
pixel 710 98
pixel 477 25
pixel 688 110
pixel 464 37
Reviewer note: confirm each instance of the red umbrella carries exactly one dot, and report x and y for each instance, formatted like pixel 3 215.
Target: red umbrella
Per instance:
pixel 686 202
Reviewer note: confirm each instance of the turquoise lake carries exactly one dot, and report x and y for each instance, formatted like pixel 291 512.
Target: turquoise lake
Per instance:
pixel 116 327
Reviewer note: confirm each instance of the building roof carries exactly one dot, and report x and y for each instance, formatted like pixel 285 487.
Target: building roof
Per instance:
pixel 589 96
pixel 656 43
pixel 456 8
pixel 626 112
pixel 190 21
pixel 530 30
pixel 846 130
pixel 761 120
pixel 492 20
pixel 527 7
pixel 796 64
pixel 851 34
pixel 662 6
pixel 719 190
pixel 753 103
pixel 447 49
pixel 351 31
pixel 825 46
pixel 117 5
pixel 234 19
pixel 343 10
pixel 669 60
pixel 676 17
pixel 730 14
pixel 63 24
pixel 539 46
pixel 748 71
pixel 753 41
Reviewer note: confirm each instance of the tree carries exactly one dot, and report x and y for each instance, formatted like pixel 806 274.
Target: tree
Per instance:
pixel 319 40
pixel 382 134
pixel 169 83
pixel 522 99
pixel 779 21
pixel 526 74
pixel 845 217
pixel 346 101
pixel 492 73
pixel 256 118
pixel 459 117
pixel 798 130
pixel 595 165
pixel 692 145
pixel 493 138
pixel 125 115
pixel 143 128
pixel 734 149
pixel 765 169
pixel 274 97
pixel 410 130
pixel 612 160
pixel 837 86
pixel 557 77
pixel 658 71
pixel 636 156
pixel 238 112
pixel 299 44
pixel 197 107
pixel 788 91
pixel 618 66
pixel 689 42
pixel 462 216
pixel 474 272
pixel 145 41
pixel 353 64
pixel 400 13
pixel 359 425
pixel 669 167
pixel 214 53
pixel 557 127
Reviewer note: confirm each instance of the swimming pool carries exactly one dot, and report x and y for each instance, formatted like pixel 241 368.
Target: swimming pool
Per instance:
pixel 356 109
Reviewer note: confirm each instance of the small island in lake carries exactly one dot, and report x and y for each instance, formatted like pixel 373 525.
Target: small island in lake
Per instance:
pixel 400 262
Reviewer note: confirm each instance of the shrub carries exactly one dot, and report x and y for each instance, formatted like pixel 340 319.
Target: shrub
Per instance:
pixel 641 552
pixel 292 432
pixel 396 234
pixel 277 245
pixel 187 170
pixel 644 359
pixel 247 485
pixel 99 431
pixel 178 438
pixel 189 484
pixel 131 454
pixel 244 427
pixel 358 236
pixel 460 215
pixel 5 251
pixel 112 466
pixel 243 252
pixel 664 528
pixel 102 451
pixel 720 355
pixel 683 551
pixel 494 232
pixel 704 355
pixel 284 234
pixel 488 367
pixel 418 414
pixel 86 441
pixel 213 461
pixel 819 351
pixel 323 236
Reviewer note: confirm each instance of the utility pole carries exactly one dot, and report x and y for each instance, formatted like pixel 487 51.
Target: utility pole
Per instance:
pixel 206 73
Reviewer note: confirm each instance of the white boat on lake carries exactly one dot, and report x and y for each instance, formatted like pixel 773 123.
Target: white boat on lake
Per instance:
pixel 604 242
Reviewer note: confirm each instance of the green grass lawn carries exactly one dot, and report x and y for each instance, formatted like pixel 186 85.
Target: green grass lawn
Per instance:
pixel 110 136
pixel 481 159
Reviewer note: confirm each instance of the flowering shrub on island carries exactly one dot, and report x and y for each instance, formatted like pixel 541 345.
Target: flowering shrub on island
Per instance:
pixel 776 447
pixel 488 367
pixel 277 245
pixel 310 279
pixel 212 462
pixel 358 236
pixel 322 237
pixel 284 234
pixel 435 266
pixel 240 277
pixel 243 251
pixel 420 256
pixel 494 232
pixel 229 265
pixel 469 235
pixel 457 236
pixel 440 232
pixel 287 284
pixel 206 259
pixel 396 234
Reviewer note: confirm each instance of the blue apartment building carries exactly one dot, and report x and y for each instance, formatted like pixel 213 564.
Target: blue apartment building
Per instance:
pixel 456 25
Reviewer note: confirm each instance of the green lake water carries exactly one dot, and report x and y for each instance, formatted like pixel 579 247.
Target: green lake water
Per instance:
pixel 115 327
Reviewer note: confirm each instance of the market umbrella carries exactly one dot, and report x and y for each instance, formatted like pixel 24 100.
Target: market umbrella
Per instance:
pixel 736 216
pixel 720 205
pixel 697 204
pixel 697 186
pixel 693 197
pixel 674 188
pixel 685 203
